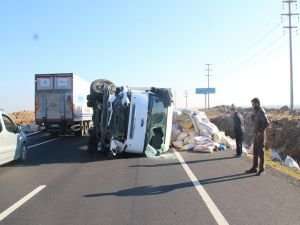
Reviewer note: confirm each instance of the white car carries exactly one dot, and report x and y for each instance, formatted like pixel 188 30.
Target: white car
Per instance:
pixel 13 141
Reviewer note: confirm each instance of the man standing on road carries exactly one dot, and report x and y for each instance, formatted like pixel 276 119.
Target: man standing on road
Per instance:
pixel 260 122
pixel 238 127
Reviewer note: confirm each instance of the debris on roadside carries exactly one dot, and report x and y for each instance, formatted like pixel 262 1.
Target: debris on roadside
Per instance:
pixel 193 131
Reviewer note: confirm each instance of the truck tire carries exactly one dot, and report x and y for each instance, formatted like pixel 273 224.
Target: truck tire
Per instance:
pixel 97 86
pixel 90 98
pixel 80 132
pixel 90 104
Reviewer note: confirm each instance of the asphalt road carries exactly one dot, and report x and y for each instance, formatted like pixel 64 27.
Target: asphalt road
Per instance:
pixel 60 183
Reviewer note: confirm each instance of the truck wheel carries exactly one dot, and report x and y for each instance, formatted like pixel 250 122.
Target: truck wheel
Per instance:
pixel 97 86
pixel 92 144
pixel 81 131
pixel 90 98
pixel 90 104
pixel 86 128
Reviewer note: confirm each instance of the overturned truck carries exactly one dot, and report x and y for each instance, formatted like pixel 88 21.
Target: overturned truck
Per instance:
pixel 133 120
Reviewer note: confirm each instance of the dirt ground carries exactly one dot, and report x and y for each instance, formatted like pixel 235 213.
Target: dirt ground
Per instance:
pixel 283 133
pixel 23 117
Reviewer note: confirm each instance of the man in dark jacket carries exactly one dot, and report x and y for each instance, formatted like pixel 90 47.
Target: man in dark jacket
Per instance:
pixel 260 123
pixel 239 129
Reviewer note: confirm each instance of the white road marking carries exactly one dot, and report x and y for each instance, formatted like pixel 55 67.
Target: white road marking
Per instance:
pixel 220 219
pixel 21 202
pixel 32 146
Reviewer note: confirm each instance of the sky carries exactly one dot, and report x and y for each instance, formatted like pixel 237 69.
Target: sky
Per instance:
pixel 160 43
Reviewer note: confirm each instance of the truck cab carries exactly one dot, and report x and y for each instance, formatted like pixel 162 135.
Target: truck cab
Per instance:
pixel 134 120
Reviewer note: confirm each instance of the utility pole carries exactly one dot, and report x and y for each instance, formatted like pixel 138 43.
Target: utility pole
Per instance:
pixel 186 96
pixel 290 27
pixel 208 75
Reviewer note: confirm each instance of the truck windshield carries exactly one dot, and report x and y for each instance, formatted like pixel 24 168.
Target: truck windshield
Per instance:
pixel 157 122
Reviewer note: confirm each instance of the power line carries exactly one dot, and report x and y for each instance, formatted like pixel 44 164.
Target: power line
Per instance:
pixel 249 44
pixel 255 56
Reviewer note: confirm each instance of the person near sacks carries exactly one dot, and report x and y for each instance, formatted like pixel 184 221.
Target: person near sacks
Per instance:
pixel 260 123
pixel 239 129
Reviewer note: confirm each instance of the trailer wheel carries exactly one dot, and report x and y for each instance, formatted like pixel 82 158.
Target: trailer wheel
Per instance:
pixel 86 128
pixel 81 131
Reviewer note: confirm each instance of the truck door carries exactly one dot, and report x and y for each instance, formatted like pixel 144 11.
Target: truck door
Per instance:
pixel 137 122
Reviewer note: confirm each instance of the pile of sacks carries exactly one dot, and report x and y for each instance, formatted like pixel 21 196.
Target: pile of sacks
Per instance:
pixel 192 131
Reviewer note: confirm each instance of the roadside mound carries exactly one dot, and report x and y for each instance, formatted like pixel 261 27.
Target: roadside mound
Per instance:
pixel 23 117
pixel 283 133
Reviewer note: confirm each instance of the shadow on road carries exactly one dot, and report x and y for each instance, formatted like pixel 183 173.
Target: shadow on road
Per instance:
pixel 187 162
pixel 226 178
pixel 144 190
pixel 156 190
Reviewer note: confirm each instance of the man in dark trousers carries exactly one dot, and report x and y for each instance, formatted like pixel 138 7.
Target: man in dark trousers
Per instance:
pixel 260 123
pixel 239 129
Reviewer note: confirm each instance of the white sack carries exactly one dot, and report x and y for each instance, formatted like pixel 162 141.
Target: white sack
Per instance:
pixel 187 112
pixel 244 151
pixel 203 124
pixel 188 147
pixel 201 140
pixel 276 156
pixel 176 114
pixel 175 131
pixel 291 163
pixel 205 133
pixel 181 136
pixel 178 144
pixel 186 139
pixel 250 151
pixel 208 148
pixel 217 137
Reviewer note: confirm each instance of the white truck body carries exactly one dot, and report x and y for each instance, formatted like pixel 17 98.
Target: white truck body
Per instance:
pixel 60 103
pixel 133 120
